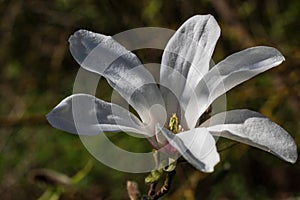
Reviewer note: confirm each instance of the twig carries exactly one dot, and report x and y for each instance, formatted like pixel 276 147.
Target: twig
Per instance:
pixel 151 191
pixel 166 186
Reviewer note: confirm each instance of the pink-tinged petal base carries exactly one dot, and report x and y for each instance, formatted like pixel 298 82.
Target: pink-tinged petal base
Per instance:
pixel 197 146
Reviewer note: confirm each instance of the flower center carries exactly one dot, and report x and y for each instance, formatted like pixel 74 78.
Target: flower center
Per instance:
pixel 174 125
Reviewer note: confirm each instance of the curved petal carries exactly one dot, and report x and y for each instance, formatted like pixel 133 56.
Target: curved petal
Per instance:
pixel 187 56
pixel 123 70
pixel 86 115
pixel 254 129
pixel 197 146
pixel 230 72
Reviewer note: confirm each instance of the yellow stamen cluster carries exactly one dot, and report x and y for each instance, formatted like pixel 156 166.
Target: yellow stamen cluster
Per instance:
pixel 174 124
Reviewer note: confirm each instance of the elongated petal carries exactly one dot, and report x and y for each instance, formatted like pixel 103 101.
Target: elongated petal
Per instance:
pixel 197 146
pixel 187 55
pixel 86 115
pixel 230 72
pixel 123 70
pixel 254 129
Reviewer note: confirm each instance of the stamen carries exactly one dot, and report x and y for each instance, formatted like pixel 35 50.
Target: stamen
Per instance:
pixel 174 124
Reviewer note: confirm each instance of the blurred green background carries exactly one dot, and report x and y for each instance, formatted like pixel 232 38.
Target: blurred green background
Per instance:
pixel 37 72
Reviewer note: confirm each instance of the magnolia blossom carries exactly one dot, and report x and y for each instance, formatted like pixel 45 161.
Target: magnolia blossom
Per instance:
pixel 169 115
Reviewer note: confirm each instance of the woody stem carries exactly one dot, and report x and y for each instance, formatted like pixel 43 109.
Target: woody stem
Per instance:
pixel 166 186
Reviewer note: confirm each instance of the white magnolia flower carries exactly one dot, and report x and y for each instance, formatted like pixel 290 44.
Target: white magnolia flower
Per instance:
pixel 185 74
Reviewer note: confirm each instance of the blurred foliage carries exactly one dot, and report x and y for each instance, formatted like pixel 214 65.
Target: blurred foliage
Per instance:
pixel 37 71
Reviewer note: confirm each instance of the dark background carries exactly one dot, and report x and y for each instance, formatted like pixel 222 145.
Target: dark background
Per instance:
pixel 37 72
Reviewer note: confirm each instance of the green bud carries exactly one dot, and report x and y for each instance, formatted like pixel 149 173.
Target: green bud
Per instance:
pixel 154 176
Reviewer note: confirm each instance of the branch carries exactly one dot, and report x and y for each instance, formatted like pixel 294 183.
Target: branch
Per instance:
pixel 166 186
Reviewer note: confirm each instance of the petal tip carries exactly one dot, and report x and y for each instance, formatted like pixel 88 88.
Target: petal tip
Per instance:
pixel 293 158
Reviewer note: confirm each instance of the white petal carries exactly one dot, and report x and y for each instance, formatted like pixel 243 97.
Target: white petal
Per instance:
pixel 197 146
pixel 254 129
pixel 187 55
pixel 123 70
pixel 230 72
pixel 86 115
